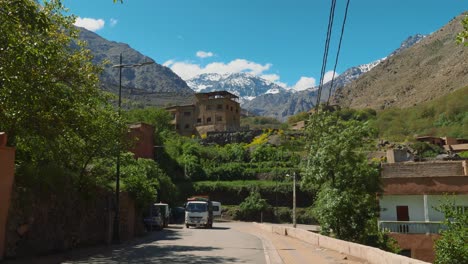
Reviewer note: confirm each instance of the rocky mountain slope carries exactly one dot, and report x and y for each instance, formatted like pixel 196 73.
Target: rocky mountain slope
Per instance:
pixel 433 67
pixel 152 84
pixel 285 104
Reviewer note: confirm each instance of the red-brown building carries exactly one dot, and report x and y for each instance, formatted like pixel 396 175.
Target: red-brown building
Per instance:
pixel 141 137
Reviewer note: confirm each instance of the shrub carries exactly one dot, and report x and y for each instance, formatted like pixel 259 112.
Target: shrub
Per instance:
pixel 252 206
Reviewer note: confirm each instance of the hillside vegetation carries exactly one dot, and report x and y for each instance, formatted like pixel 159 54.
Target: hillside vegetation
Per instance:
pixel 445 116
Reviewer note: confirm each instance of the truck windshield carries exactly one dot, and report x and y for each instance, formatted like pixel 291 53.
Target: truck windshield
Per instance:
pixel 196 207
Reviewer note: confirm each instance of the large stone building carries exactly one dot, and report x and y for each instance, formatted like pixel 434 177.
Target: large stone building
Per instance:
pixel 412 192
pixel 213 111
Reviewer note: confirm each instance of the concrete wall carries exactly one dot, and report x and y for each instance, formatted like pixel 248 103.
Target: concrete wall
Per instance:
pixel 423 169
pixel 369 254
pixel 7 168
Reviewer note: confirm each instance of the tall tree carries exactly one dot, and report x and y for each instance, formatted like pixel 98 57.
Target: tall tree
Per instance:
pixel 337 169
pixel 50 102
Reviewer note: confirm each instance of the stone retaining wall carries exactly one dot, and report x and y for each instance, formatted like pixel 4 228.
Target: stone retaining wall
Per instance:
pixel 369 254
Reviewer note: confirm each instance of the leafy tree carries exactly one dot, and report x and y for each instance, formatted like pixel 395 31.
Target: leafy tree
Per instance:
pixel 252 205
pixel 452 247
pixel 142 178
pixel 50 102
pixel 337 168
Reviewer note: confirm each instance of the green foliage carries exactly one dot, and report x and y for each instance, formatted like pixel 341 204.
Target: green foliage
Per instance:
pixel 426 150
pixel 463 154
pixel 452 246
pixel 345 212
pixel 51 105
pixel 252 206
pixel 240 186
pixel 302 116
pixel 445 116
pixel 462 37
pixel 142 178
pixel 338 169
pixel 260 122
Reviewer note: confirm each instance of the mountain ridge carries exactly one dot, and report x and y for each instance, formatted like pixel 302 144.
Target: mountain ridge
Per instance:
pixel 433 67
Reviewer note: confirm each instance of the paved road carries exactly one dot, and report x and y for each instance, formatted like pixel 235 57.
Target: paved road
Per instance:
pixel 233 242
pixel 222 244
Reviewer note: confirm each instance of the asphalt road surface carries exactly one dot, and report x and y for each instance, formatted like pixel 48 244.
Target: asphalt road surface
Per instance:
pixel 233 242
pixel 177 244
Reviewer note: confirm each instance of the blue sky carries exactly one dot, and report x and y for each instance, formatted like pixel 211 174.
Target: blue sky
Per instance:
pixel 283 41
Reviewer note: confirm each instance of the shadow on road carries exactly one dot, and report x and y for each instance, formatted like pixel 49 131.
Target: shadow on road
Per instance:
pixel 152 253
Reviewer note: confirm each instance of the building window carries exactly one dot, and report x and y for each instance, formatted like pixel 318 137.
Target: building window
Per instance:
pixel 187 113
pixel 177 126
pixel 237 110
pixel 173 116
pixel 219 118
pixel 219 107
pixel 187 126
pixel 208 120
pixel 227 107
pixel 231 109
pixel 208 107
pixel 198 120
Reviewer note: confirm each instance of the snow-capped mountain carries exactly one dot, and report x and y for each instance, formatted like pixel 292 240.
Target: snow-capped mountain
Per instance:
pixel 244 85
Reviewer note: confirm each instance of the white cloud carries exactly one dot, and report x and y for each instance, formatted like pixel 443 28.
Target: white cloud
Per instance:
pixel 90 23
pixel 328 76
pixel 187 70
pixel 304 83
pixel 204 54
pixel 113 22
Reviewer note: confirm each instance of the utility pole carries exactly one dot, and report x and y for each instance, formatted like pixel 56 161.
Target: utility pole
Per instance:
pixel 294 200
pixel 116 234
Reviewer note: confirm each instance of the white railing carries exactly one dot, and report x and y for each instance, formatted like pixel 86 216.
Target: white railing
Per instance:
pixel 411 227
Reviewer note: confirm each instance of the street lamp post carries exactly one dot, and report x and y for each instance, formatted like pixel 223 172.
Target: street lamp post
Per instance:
pixel 116 235
pixel 294 198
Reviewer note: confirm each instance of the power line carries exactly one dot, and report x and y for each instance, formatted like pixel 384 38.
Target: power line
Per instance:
pixel 338 52
pixel 325 53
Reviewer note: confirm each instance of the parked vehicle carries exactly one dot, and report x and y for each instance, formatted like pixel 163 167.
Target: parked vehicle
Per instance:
pixel 165 212
pixel 216 208
pixel 153 219
pixel 199 212
pixel 177 215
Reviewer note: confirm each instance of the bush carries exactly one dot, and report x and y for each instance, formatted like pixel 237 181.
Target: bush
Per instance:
pixel 252 206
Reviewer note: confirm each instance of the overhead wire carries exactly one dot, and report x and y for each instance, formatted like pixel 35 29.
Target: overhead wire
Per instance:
pixel 338 52
pixel 325 53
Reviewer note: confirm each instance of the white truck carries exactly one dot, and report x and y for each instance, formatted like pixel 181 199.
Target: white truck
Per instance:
pixel 199 212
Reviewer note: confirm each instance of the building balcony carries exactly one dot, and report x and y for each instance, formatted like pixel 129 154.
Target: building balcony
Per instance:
pixel 411 227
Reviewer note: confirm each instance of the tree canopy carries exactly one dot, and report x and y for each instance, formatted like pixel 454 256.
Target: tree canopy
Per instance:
pixel 50 102
pixel 337 168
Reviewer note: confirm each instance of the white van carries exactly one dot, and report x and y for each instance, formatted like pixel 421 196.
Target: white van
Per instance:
pixel 216 209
